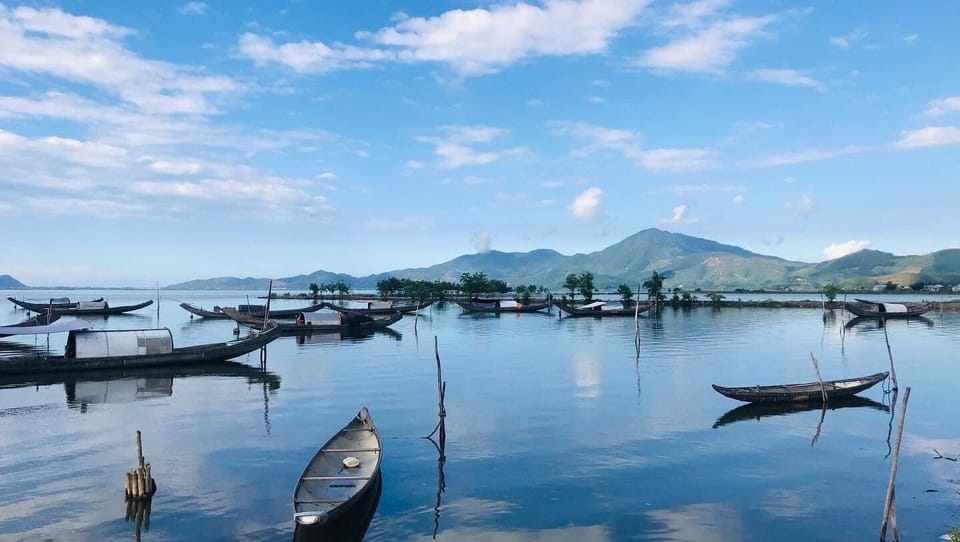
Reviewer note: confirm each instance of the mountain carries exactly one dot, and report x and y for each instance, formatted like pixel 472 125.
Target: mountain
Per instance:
pixel 688 262
pixel 9 283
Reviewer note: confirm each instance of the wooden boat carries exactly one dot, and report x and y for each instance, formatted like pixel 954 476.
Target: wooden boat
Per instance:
pixel 808 392
pixel 381 307
pixel 97 306
pixel 249 310
pixel 306 324
pixel 600 308
pixel 501 306
pixel 41 319
pixel 54 303
pixel 874 309
pixel 755 411
pixel 879 323
pixel 90 349
pixel 340 474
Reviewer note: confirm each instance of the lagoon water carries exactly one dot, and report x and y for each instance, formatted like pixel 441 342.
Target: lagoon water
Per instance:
pixel 555 429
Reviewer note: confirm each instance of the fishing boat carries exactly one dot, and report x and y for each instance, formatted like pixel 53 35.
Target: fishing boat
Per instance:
pixel 875 309
pixel 501 306
pixel 90 349
pixel 97 306
pixel 811 392
pixel 341 473
pixel 53 303
pixel 755 411
pixel 381 307
pixel 249 310
pixel 326 322
pixel 41 319
pixel 602 308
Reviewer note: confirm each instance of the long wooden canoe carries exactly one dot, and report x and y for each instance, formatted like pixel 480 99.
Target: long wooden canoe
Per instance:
pixel 105 310
pixel 42 307
pixel 218 314
pixel 199 354
pixel 414 307
pixel 807 392
pixel 340 474
pixel 348 322
pixel 40 319
pixel 600 309
pixel 755 411
pixel 496 307
pixel 875 309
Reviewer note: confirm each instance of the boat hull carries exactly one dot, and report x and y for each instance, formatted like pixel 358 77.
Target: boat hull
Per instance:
pixel 385 310
pixel 306 328
pixel 809 392
pixel 863 310
pixel 483 307
pixel 576 311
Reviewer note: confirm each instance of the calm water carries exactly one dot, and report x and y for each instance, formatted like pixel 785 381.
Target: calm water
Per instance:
pixel 554 431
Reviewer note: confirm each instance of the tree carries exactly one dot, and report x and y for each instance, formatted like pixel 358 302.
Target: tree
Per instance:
pixel 585 285
pixel 654 286
pixel 523 293
pixel 314 289
pixel 626 294
pixel 474 283
pixel 715 298
pixel 890 286
pixel 389 286
pixel 917 286
pixel 342 288
pixel 830 292
pixel 572 283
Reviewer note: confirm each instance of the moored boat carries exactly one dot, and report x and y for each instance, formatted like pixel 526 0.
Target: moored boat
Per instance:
pixel 340 474
pixel 501 306
pixel 90 349
pixel 249 310
pixel 40 319
pixel 381 307
pixel 876 309
pixel 96 306
pixel 601 308
pixel 326 322
pixel 811 392
pixel 53 303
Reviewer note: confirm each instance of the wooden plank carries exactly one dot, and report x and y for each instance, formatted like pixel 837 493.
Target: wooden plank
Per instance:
pixel 336 478
pixel 322 501
pixel 330 450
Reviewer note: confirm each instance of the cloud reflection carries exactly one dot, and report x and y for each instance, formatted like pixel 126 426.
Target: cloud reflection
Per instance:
pixel 704 522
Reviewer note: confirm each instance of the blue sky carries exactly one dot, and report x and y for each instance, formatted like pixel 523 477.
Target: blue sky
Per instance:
pixel 160 142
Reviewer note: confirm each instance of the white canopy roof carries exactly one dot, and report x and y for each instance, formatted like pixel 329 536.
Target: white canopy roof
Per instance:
pixel 59 326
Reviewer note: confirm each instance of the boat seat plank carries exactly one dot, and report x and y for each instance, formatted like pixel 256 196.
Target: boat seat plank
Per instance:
pixel 335 478
pixel 321 501
pixel 333 450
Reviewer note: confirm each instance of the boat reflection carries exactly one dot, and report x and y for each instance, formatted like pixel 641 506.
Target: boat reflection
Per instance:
pixel 348 527
pixel 862 323
pixel 755 411
pixel 346 336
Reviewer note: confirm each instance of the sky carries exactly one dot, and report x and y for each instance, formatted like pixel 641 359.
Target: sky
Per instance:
pixel 145 143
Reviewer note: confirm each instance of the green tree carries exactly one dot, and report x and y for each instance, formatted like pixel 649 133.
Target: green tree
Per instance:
pixel 890 286
pixel 523 293
pixel 314 289
pixel 715 298
pixel 389 286
pixel 474 283
pixel 626 294
pixel 654 286
pixel 830 292
pixel 497 286
pixel 917 286
pixel 342 288
pixel 572 283
pixel 585 285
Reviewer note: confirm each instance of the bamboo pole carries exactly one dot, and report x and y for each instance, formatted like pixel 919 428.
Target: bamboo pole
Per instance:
pixel 889 506
pixel 893 372
pixel 636 323
pixel 266 310
pixel 139 450
pixel 823 389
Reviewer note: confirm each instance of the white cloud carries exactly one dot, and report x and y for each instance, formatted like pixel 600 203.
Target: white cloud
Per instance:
pixel 789 179
pixel 838 250
pixel 808 155
pixel 100 208
pixel 679 216
pixel 738 199
pixel 533 102
pixel 805 205
pixel 586 206
pixel 481 241
pixel 911 39
pixel 709 50
pixel 848 40
pixel 688 189
pixel 596 100
pixel 943 106
pixel 193 8
pixel 931 136
pixel 626 142
pixel 470 42
pixel 89 51
pixel 327 176
pixel 456 149
pixel 786 77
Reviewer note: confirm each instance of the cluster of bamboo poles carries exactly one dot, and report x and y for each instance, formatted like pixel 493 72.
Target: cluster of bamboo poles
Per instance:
pixel 139 484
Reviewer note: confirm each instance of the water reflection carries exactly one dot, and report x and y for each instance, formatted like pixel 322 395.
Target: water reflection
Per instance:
pixel 138 511
pixel 879 323
pixel 756 411
pixel 348 527
pixel 359 335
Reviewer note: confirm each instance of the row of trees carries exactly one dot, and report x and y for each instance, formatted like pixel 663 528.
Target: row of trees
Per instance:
pixel 339 287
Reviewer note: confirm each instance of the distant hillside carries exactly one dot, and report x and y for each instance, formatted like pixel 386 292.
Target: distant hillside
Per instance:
pixel 688 262
pixel 9 283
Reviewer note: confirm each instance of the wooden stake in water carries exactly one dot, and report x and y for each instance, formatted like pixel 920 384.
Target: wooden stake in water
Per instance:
pixel 266 310
pixel 893 372
pixel 138 483
pixel 889 505
pixel 636 322
pixel 823 389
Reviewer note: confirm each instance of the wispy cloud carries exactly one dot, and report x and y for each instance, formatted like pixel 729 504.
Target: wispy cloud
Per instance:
pixel 847 41
pixel 943 106
pixel 627 143
pixel 481 241
pixel 596 100
pixel 931 136
pixel 738 199
pixel 808 155
pixel 786 77
pixel 692 189
pixel 679 216
pixel 193 8
pixel 911 39
pixel 805 205
pixel 838 250
pixel 469 42
pixel 457 147
pixel 586 206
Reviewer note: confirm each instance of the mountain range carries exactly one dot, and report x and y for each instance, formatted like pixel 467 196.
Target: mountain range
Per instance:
pixel 687 262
